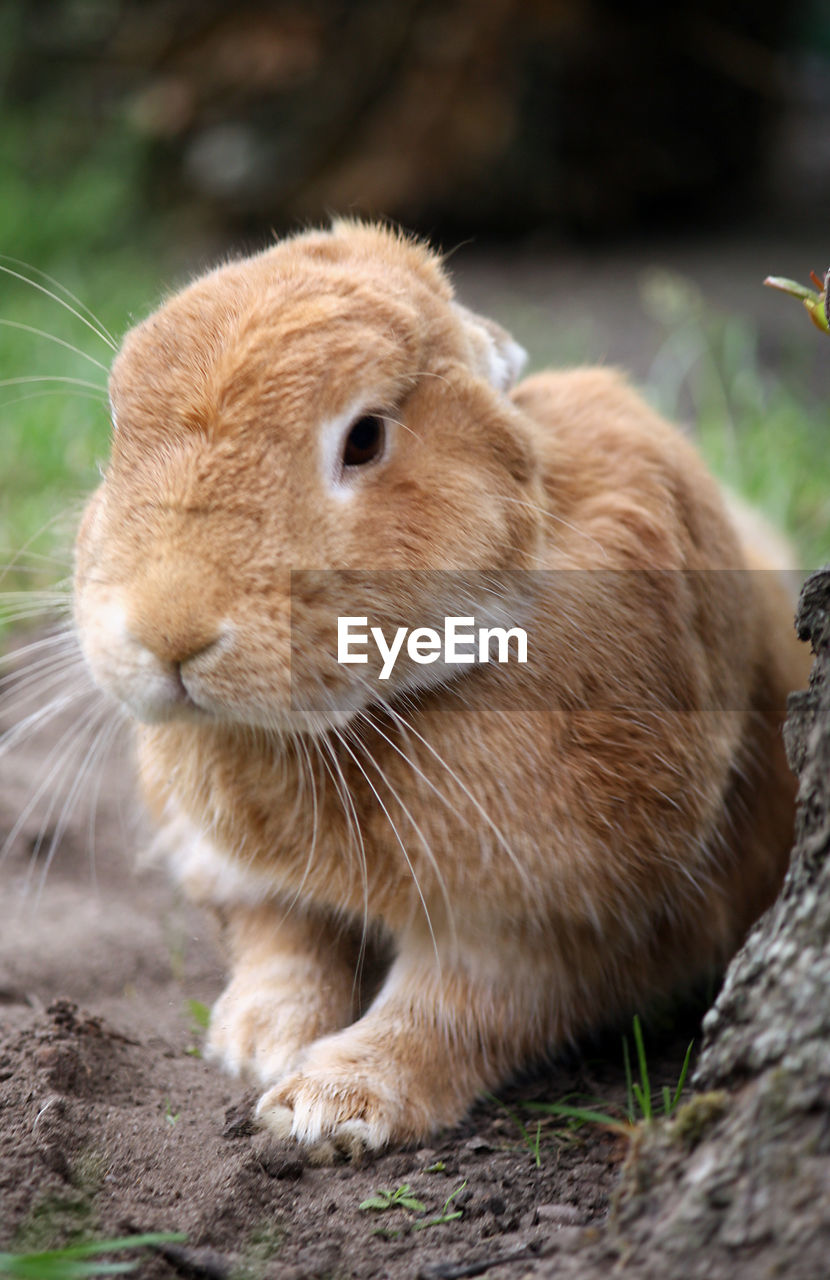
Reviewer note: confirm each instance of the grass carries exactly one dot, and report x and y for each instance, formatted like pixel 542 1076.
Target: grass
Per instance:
pixel 72 1218
pixel 643 1105
pixel 78 1261
pixel 762 432
pixel 69 209
pixel 264 1243
pixel 531 1139
pixel 172 1117
pixel 53 431
pixel 403 1197
pixel 445 1213
pixel 199 1014
pixel 639 1097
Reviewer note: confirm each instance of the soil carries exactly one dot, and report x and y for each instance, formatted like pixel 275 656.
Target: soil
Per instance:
pixel 111 1123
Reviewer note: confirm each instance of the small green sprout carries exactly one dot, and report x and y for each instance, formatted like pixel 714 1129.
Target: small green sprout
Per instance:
pixel 199 1014
pixel 533 1141
pixel 445 1215
pixel 79 1261
pixel 171 1118
pixel 199 1023
pixel 400 1199
pixel 816 301
pixel 403 1198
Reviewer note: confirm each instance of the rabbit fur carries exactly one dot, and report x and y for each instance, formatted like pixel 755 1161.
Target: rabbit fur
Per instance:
pixel 528 850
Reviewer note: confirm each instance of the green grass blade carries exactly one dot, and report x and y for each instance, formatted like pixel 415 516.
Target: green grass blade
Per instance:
pixel 586 1115
pixel 200 1013
pixel 684 1071
pixel 629 1084
pixel 79 1261
pixel 644 1092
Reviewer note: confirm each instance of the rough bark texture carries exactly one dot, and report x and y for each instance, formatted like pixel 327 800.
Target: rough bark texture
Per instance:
pixel 738 1183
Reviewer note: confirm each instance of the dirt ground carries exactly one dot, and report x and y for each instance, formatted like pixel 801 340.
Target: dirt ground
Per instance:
pixel 111 1123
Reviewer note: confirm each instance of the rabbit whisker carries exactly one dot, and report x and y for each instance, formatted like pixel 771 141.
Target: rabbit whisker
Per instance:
pixel 399 839
pixel 551 515
pixel 352 820
pixel 97 328
pixel 101 726
pixel 57 759
pixel 523 874
pixel 51 337
pixel 51 377
pixel 63 392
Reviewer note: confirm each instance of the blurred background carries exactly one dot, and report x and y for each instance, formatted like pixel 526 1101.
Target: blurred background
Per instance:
pixel 613 180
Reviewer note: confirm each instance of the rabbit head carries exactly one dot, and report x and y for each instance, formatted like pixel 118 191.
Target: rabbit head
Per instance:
pixel 317 431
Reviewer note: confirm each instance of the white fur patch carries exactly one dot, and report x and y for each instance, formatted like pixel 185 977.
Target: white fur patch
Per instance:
pixel 333 435
pixel 505 364
pixel 208 875
pixel 498 358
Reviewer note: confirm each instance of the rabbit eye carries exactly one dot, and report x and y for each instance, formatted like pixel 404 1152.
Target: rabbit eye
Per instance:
pixel 365 441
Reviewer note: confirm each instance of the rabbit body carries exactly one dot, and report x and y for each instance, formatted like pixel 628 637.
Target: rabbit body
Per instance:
pixel 533 849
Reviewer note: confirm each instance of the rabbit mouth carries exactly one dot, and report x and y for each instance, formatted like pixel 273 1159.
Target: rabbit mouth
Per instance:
pixel 162 697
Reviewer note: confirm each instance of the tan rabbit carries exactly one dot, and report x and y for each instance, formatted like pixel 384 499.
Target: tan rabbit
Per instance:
pixel 321 433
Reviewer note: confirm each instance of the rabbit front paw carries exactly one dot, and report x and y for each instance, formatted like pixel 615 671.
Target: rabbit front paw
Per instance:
pixel 260 1025
pixel 341 1102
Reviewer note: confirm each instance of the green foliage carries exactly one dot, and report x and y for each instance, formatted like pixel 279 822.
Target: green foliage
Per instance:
pixel 639 1097
pixel 78 1261
pixel 642 1105
pixel 532 1140
pixel 816 302
pixel 402 1198
pixel 445 1214
pixel 581 1115
pixel 172 1117
pixel 264 1243
pixel 54 420
pixel 763 434
pixel 199 1023
pixel 69 209
pixel 199 1014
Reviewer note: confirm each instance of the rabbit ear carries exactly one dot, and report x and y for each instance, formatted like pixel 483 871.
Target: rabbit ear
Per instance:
pixel 497 357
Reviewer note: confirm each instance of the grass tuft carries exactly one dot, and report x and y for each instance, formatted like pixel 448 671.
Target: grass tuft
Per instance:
pixel 79 1261
pixel 643 1105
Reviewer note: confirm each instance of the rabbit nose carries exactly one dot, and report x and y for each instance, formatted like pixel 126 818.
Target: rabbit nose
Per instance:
pixel 174 641
pixel 173 615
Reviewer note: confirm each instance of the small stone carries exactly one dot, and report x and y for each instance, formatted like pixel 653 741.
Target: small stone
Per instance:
pixel 564 1215
pixel 477 1146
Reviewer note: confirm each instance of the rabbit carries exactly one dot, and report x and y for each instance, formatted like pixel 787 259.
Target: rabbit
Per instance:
pixel 527 849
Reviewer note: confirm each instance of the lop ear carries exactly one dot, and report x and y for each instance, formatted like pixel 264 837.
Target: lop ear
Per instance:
pixel 495 355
